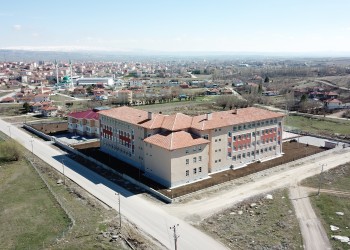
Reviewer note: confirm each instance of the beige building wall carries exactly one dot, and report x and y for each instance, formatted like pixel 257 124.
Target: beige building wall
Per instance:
pixel 176 167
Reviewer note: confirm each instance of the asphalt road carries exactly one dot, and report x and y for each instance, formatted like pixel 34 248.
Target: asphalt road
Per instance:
pixel 147 215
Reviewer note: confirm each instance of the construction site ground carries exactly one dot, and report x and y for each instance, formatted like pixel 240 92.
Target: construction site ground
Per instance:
pixel 292 151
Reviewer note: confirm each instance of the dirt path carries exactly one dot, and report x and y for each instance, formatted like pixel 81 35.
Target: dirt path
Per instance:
pixel 204 204
pixel 314 235
pixel 329 191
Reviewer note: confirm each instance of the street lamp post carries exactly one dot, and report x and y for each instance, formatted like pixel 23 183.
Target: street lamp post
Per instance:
pixel 31 141
pixel 120 215
pixel 176 236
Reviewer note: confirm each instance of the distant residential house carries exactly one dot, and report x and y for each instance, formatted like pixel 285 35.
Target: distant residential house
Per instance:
pixel 37 106
pixel 49 111
pixel 84 123
pixel 226 91
pixel 331 95
pixel 332 104
pixel 123 96
pixel 8 100
pixel 184 86
pixel 41 98
pixel 79 91
pixel 213 92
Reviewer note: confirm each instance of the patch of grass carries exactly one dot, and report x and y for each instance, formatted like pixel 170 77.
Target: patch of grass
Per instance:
pixel 30 216
pixel 271 224
pixel 326 207
pixel 335 179
pixel 318 126
pixel 327 204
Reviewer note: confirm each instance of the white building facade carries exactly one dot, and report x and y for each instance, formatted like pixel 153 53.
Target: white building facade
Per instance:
pixel 178 149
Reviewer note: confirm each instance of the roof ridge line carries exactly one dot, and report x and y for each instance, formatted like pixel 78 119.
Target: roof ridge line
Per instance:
pixel 171 141
pixel 172 129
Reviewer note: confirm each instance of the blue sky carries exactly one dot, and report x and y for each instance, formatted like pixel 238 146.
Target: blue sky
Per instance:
pixel 197 25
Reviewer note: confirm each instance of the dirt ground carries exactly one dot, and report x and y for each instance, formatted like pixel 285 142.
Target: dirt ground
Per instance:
pixel 292 151
pixel 257 223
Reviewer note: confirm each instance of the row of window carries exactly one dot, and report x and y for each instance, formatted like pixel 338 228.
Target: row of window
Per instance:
pixel 248 136
pixel 252 153
pixel 194 160
pixel 194 171
pixel 113 146
pixel 194 149
pixel 112 121
pixel 248 145
pixel 254 124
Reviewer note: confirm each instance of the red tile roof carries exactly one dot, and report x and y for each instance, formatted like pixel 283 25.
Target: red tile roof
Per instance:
pixel 181 121
pixel 177 122
pixel 87 114
pixel 230 117
pixel 135 116
pixel 175 140
pixel 333 101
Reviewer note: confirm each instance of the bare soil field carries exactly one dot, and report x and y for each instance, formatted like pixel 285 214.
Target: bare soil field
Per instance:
pixel 292 151
pixel 265 222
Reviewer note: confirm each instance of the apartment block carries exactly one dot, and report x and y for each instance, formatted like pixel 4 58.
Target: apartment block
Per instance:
pixel 179 149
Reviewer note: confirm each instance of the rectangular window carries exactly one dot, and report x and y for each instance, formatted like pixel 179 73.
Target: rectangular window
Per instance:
pixel 187 172
pixel 229 134
pixel 187 161
pixel 194 159
pixel 187 151
pixel 195 171
pixel 234 128
pixel 234 158
pixel 200 169
pixel 199 158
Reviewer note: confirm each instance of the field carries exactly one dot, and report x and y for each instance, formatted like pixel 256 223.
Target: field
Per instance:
pixel 258 223
pixel 318 126
pixel 328 203
pixel 30 217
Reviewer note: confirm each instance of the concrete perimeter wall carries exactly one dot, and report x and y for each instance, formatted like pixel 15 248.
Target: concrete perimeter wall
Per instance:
pixel 74 151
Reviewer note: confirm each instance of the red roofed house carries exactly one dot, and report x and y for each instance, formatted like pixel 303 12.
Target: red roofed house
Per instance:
pixel 49 111
pixel 178 149
pixel 7 100
pixel 331 104
pixel 84 123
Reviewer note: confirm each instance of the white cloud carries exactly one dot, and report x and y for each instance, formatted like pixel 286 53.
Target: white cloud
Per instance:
pixel 17 27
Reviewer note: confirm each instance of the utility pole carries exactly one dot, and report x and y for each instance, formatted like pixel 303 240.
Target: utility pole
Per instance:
pixel 320 179
pixel 64 177
pixel 120 215
pixel 176 236
pixel 32 140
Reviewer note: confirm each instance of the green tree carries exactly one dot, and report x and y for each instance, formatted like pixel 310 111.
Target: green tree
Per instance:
pixel 26 107
pixel 267 79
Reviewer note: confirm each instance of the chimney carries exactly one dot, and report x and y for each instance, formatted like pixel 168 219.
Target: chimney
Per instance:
pixel 150 115
pixel 208 116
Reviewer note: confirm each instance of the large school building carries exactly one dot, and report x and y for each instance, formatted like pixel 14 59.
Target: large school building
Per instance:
pixel 179 149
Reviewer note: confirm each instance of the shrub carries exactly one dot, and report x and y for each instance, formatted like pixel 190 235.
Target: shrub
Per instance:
pixel 10 150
